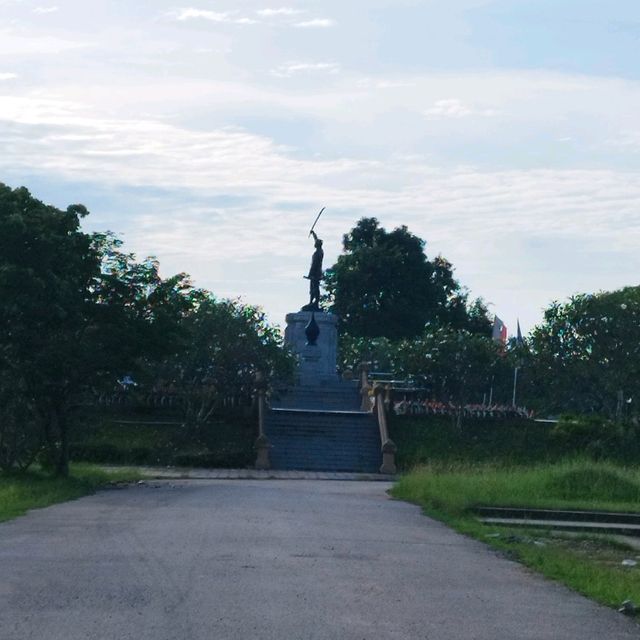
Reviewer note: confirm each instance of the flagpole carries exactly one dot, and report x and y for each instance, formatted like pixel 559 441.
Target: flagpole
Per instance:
pixel 519 344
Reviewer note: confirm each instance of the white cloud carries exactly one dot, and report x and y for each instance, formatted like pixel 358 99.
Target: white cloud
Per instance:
pixel 213 50
pixel 8 76
pixel 44 10
pixel 626 141
pixel 213 16
pixel 315 23
pixel 284 15
pixel 455 108
pixel 282 11
pixel 383 83
pixel 26 44
pixel 61 138
pixel 187 14
pixel 294 68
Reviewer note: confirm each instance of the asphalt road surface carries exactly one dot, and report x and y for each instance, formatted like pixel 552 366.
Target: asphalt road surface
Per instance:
pixel 292 560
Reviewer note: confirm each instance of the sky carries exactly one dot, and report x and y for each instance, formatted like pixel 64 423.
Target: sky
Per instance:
pixel 506 133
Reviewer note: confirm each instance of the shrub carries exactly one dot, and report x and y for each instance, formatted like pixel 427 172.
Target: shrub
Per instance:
pixel 427 439
pixel 593 483
pixel 597 437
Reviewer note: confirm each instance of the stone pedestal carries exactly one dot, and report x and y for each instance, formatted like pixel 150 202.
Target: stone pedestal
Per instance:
pixel 316 363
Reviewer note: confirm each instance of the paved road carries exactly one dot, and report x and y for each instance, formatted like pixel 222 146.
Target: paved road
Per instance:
pixel 292 560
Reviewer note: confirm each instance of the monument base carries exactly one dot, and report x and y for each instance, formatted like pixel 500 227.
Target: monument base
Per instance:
pixel 316 363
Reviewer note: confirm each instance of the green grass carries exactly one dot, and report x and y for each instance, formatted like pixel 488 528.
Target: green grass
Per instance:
pixel 573 484
pixel 35 489
pixel 590 565
pixel 597 574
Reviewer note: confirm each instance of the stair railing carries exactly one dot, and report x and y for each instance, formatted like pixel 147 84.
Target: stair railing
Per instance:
pixel 389 449
pixel 262 444
pixel 365 388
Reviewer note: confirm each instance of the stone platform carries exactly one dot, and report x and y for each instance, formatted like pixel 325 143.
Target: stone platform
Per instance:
pixel 316 363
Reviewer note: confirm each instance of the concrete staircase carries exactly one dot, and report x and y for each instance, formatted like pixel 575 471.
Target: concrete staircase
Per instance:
pixel 319 428
pixel 337 396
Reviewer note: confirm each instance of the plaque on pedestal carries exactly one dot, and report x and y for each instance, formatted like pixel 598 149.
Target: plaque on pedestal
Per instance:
pixel 316 362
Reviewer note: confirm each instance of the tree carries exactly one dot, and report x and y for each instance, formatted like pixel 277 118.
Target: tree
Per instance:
pixel 47 266
pixel 224 345
pixel 383 285
pixel 76 313
pixel 142 311
pixel 454 365
pixel 585 352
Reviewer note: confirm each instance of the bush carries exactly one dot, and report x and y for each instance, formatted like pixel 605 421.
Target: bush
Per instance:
pixel 597 437
pixel 222 444
pixel 593 483
pixel 427 439
pixel 110 453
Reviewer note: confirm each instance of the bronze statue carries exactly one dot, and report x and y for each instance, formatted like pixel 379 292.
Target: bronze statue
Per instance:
pixel 315 275
pixel 315 271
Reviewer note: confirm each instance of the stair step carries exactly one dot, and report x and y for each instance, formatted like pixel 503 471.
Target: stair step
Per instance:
pixel 321 428
pixel 338 395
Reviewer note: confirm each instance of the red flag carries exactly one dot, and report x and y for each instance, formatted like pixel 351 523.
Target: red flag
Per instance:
pixel 499 333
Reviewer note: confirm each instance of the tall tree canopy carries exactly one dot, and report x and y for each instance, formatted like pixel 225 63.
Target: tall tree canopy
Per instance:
pixel 585 352
pixel 75 314
pixel 383 285
pixel 47 271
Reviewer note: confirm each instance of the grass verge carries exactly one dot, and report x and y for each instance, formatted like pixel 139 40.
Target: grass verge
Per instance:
pixel 591 565
pixel 35 489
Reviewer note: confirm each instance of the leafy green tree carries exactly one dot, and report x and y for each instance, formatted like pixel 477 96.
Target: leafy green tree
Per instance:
pixel 224 344
pixel 47 268
pixel 585 352
pixel 458 366
pixel 378 352
pixel 455 366
pixel 142 311
pixel 76 313
pixel 383 285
